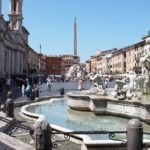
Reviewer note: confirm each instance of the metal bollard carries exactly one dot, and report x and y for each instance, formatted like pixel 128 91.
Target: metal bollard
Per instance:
pixel 33 94
pixel 43 137
pixel 134 135
pixel 36 93
pixel 9 107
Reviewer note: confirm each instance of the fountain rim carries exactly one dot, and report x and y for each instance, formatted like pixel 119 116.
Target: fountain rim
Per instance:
pixel 56 127
pixel 80 139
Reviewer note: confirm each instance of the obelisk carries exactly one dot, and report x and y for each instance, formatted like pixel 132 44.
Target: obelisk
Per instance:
pixel 75 37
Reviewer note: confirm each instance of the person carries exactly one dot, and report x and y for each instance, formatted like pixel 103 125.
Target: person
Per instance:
pixel 81 82
pixel 28 91
pixel 106 82
pixel 23 89
pixel 8 84
pixel 49 83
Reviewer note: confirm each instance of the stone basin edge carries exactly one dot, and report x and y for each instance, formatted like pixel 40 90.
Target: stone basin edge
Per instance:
pixel 107 105
pixel 84 140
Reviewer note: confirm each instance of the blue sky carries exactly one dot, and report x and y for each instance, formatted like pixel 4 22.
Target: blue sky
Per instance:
pixel 101 24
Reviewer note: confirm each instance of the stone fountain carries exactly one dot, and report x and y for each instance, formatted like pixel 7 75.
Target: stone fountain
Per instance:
pixel 123 101
pixel 126 89
pixel 75 72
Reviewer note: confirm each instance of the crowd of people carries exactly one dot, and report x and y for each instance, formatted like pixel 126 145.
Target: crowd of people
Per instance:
pixel 26 84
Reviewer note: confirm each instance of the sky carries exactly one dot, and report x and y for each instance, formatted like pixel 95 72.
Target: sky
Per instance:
pixel 101 24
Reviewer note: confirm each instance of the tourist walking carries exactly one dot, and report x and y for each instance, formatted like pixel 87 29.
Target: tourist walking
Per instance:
pixel 23 89
pixel 49 83
pixel 28 91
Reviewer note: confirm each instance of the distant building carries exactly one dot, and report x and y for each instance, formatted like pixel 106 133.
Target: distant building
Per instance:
pixel 33 62
pixel 133 54
pixel 53 65
pixel 68 61
pixel 88 66
pixel 94 65
pixel 42 65
pixel 118 61
pixel 101 62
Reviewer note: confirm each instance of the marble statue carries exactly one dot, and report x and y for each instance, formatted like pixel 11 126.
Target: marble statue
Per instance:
pixel 98 87
pixel 132 86
pixel 76 72
pixel 145 60
pixel 126 89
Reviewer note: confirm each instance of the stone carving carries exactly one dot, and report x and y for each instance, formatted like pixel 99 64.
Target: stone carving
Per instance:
pixel 98 87
pixel 120 91
pixel 76 72
pixel 132 86
pixel 127 88
pixel 145 60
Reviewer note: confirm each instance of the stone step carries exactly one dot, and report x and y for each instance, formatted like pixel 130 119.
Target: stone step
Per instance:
pixel 10 143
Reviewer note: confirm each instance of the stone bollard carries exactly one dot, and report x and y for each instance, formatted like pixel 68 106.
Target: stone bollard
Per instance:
pixel 9 107
pixel 33 94
pixel 134 135
pixel 43 137
pixel 36 93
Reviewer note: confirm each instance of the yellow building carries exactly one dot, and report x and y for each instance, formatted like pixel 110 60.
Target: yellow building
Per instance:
pixel 133 54
pixel 88 66
pixel 93 63
pixel 118 61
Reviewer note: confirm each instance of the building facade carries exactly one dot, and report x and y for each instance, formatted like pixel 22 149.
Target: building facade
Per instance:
pixel 118 61
pixel 133 54
pixel 33 62
pixel 94 65
pixel 53 65
pixel 88 66
pixel 68 61
pixel 13 42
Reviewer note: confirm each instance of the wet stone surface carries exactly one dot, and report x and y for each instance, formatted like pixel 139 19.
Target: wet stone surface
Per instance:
pixel 24 135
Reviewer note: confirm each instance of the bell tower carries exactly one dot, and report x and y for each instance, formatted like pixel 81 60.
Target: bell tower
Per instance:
pixel 15 14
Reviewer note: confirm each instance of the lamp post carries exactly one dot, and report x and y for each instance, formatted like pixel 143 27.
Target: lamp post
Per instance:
pixel 40 55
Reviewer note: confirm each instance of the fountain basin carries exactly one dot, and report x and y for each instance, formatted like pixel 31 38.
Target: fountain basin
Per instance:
pixel 36 110
pixel 107 105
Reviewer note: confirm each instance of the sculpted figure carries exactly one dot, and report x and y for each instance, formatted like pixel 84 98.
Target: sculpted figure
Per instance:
pixel 127 87
pixel 76 72
pixel 145 60
pixel 132 86
pixel 98 84
pixel 120 90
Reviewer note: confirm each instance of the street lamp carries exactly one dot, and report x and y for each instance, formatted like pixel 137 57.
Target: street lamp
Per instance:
pixel 40 55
